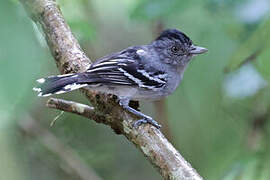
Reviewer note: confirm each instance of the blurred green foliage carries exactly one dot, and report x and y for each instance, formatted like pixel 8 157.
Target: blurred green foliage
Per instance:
pixel 78 14
pixel 258 45
pixel 21 59
pixel 223 136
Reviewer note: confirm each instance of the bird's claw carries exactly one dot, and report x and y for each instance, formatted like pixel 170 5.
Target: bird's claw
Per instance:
pixel 145 121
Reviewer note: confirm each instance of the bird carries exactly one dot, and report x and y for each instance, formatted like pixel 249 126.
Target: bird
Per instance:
pixel 145 72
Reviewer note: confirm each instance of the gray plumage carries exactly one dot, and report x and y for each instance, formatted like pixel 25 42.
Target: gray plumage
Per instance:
pixel 147 72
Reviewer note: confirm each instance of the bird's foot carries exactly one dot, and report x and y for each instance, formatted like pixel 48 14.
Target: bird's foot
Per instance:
pixel 145 120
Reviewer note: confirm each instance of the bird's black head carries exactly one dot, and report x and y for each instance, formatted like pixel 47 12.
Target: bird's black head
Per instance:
pixel 175 35
pixel 175 47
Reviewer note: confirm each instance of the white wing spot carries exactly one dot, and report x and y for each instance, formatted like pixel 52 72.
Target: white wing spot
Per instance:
pixel 141 52
pixel 60 92
pixel 101 68
pixel 150 77
pixel 115 60
pixel 42 80
pixel 104 63
pixel 162 75
pixel 121 60
pixel 136 80
pixel 122 64
pixel 36 89
pixel 130 76
pixel 64 75
pixel 74 86
pixel 44 95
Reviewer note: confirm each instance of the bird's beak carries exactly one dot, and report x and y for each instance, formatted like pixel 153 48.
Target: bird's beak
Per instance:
pixel 197 50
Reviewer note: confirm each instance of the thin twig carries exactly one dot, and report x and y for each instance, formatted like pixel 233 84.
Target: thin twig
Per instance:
pixel 56 118
pixel 70 58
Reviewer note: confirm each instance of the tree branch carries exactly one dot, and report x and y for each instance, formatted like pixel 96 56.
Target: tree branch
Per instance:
pixel 76 108
pixel 70 58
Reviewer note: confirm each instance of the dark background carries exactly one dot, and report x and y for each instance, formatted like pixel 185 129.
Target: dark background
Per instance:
pixel 218 117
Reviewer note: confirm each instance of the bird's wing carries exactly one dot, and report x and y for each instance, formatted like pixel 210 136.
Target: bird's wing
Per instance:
pixel 123 69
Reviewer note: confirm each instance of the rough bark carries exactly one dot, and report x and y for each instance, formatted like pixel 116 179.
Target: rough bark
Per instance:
pixel 69 57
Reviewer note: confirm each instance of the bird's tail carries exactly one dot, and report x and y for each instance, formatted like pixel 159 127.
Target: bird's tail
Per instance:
pixel 58 84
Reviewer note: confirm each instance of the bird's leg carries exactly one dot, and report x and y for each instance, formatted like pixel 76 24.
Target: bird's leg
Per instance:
pixel 145 119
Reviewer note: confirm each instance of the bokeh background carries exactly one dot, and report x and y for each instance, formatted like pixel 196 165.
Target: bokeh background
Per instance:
pixel 218 118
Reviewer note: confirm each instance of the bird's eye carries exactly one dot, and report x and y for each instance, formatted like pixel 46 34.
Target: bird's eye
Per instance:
pixel 175 49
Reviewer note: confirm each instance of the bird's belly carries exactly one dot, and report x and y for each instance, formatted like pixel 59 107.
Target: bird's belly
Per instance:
pixel 132 93
pixel 121 91
pixel 137 93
